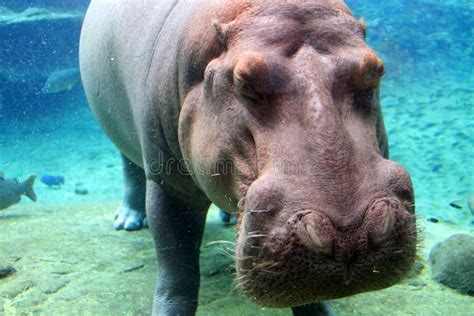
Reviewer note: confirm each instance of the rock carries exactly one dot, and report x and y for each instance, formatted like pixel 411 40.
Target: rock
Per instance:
pixel 452 263
pixel 6 271
pixel 81 191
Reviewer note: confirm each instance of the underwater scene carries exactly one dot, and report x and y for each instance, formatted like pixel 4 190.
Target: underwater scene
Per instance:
pixel 64 250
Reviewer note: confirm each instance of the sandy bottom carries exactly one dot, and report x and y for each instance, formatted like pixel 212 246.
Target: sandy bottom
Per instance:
pixel 69 260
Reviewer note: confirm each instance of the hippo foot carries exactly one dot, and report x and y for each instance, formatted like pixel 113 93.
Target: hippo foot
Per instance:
pixel 129 219
pixel 227 218
pixel 314 309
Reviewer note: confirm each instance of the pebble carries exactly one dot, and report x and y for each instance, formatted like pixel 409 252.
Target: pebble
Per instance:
pixel 81 191
pixel 6 271
pixel 452 262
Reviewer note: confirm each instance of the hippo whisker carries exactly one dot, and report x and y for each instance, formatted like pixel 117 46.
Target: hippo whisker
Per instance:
pixel 256 236
pixel 240 285
pixel 263 266
pixel 240 204
pixel 255 232
pixel 410 204
pixel 219 242
pixel 227 253
pixel 288 248
pixel 259 211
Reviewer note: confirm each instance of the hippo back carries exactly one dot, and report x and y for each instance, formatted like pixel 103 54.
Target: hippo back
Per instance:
pixel 128 61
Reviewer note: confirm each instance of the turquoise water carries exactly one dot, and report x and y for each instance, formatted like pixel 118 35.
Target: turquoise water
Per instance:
pixel 427 99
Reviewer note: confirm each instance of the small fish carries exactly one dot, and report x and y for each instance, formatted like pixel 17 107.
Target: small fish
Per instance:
pixel 461 204
pixel 50 180
pixel 437 167
pixel 11 190
pixel 4 272
pixel 60 80
pixel 456 204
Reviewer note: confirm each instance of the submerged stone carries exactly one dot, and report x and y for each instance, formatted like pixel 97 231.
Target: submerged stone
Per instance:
pixel 452 263
pixel 6 271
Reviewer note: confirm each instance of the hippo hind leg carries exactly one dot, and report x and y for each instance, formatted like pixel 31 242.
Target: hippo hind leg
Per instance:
pixel 314 309
pixel 131 214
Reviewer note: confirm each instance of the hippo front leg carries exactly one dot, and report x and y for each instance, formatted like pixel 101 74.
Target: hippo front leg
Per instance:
pixel 177 230
pixel 131 214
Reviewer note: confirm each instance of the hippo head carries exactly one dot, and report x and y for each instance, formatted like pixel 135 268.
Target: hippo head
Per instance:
pixel 285 129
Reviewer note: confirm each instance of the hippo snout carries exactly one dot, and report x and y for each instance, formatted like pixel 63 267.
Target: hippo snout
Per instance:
pixel 316 255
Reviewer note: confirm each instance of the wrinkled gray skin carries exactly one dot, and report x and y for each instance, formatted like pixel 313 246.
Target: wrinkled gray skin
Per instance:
pixel 11 190
pixel 268 109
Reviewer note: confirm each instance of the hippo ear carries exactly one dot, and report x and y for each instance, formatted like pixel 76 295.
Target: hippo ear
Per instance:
pixel 221 31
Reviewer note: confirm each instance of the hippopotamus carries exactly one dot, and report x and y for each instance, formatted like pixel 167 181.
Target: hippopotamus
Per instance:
pixel 270 110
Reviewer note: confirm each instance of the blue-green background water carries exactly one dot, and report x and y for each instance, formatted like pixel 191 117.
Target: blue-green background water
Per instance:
pixel 427 99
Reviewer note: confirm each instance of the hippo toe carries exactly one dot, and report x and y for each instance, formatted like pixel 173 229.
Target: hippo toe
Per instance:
pixel 129 219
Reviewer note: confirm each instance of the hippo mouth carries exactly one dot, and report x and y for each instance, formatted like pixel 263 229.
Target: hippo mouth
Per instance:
pixel 308 259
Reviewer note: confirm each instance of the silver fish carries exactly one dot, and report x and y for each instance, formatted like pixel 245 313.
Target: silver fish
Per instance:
pixel 60 80
pixel 11 190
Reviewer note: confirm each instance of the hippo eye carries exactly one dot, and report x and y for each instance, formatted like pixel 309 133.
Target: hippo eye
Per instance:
pixel 210 76
pixel 365 101
pixel 247 92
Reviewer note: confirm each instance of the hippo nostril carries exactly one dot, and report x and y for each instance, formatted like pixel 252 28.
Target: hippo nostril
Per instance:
pixel 381 222
pixel 317 233
pixel 318 241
